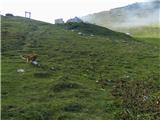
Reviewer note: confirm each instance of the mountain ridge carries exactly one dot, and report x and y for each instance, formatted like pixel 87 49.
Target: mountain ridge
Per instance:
pixel 131 15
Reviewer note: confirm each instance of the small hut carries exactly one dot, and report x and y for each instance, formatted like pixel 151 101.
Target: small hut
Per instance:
pixel 59 21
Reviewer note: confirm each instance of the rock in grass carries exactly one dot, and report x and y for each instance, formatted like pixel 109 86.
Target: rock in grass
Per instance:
pixel 20 70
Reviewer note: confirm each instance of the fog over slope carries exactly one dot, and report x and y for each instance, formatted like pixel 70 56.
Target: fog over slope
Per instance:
pixel 137 14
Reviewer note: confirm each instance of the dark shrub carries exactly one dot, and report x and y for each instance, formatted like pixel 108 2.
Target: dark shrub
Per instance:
pixel 136 99
pixel 83 94
pixel 38 112
pixel 44 74
pixel 65 117
pixel 65 86
pixel 74 107
pixel 11 111
pixel 123 115
pixel 9 15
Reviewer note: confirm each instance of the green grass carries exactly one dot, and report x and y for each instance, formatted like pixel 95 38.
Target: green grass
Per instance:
pixel 65 87
pixel 148 33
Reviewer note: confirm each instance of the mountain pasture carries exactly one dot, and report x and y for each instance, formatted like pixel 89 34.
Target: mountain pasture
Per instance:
pixel 97 75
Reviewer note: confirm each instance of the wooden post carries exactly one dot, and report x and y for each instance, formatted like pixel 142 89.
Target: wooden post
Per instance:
pixel 27 14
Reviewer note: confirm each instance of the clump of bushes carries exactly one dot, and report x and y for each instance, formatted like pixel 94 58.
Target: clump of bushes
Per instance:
pixel 73 107
pixel 65 86
pixel 43 74
pixel 9 15
pixel 33 112
pixel 83 94
pixel 128 115
pixel 123 115
pixel 65 117
pixel 136 99
pixel 38 112
pixel 11 111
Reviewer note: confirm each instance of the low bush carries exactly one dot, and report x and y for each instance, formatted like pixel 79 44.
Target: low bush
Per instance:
pixel 74 107
pixel 44 74
pixel 9 14
pixel 137 99
pixel 65 86
pixel 65 117
pixel 38 112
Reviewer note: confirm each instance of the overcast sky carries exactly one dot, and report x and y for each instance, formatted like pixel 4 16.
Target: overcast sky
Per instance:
pixel 48 10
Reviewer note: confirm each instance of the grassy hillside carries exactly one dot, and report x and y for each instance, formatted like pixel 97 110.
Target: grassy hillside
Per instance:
pixel 73 58
pixel 148 33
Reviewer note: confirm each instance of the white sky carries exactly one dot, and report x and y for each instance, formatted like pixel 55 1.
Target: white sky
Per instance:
pixel 48 10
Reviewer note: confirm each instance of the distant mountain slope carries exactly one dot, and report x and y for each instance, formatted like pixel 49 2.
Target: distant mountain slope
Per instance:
pixel 138 14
